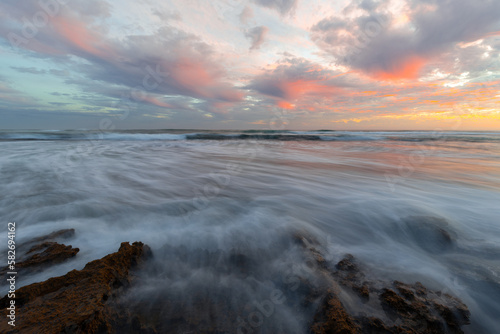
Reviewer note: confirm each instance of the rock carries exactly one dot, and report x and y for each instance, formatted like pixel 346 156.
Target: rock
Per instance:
pixel 408 308
pixel 43 252
pixel 56 235
pixel 80 301
pixel 60 234
pixel 432 234
pixel 332 318
pixel 48 253
pixel 341 298
pixel 349 274
pixel 423 311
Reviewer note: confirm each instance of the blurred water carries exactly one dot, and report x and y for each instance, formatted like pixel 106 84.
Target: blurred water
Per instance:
pixel 220 215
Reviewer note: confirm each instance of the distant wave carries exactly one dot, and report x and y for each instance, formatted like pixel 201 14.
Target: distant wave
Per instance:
pixel 322 135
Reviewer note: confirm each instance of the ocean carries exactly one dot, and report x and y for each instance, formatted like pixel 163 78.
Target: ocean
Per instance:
pixel 220 209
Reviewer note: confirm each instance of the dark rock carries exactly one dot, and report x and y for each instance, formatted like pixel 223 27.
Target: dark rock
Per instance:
pixel 409 308
pixel 48 253
pixel 347 264
pixel 80 301
pixel 432 234
pixel 56 235
pixel 39 253
pixel 332 318
pixel 341 298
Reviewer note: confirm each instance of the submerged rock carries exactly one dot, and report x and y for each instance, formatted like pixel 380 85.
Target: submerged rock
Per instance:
pixel 394 307
pixel 39 253
pixel 82 301
pixel 432 234
pixel 337 299
pixel 60 234
pixel 48 253
pixel 332 317
pixel 353 302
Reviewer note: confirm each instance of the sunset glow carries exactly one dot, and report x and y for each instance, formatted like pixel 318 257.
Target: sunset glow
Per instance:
pixel 225 64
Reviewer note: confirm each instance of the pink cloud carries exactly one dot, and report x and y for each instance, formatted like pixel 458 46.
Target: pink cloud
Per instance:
pixel 294 79
pixel 155 101
pixel 77 34
pixel 405 68
pixel 202 79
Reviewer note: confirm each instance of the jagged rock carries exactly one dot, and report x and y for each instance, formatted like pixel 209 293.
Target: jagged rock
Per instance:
pixel 347 300
pixel 61 234
pixel 332 318
pixel 56 235
pixel 80 301
pixel 408 308
pixel 411 307
pixel 48 253
pixel 43 252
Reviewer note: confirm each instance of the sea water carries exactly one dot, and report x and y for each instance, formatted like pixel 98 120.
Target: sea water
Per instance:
pixel 220 209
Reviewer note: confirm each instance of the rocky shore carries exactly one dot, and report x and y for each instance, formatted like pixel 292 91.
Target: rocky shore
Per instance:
pixel 89 300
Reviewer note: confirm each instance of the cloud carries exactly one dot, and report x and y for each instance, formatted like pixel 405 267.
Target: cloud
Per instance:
pixel 257 36
pixel 59 73
pixel 31 70
pixel 10 97
pixel 246 14
pixel 282 6
pixel 166 62
pixel 197 70
pixel 295 80
pixel 386 45
pixel 80 40
pixel 166 15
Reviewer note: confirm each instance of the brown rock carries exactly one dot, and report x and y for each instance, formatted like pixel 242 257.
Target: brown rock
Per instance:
pixel 48 253
pixel 60 234
pixel 78 302
pixel 347 264
pixel 332 318
pixel 410 309
pixel 43 252
pixel 425 312
pixel 36 243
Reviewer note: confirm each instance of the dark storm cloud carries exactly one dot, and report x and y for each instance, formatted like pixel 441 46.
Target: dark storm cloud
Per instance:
pixel 370 43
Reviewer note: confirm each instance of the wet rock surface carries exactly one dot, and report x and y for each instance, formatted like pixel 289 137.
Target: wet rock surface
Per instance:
pixel 80 301
pixel 48 253
pixel 342 299
pixel 56 235
pixel 39 253
pixel 432 234
pixel 384 307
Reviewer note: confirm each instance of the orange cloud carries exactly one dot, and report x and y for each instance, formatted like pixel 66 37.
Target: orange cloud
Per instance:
pixel 285 105
pixel 408 68
pixel 302 87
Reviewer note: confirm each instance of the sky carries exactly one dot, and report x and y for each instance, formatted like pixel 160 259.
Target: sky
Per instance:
pixel 254 64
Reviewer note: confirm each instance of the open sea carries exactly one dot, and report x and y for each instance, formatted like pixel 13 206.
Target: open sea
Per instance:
pixel 219 210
